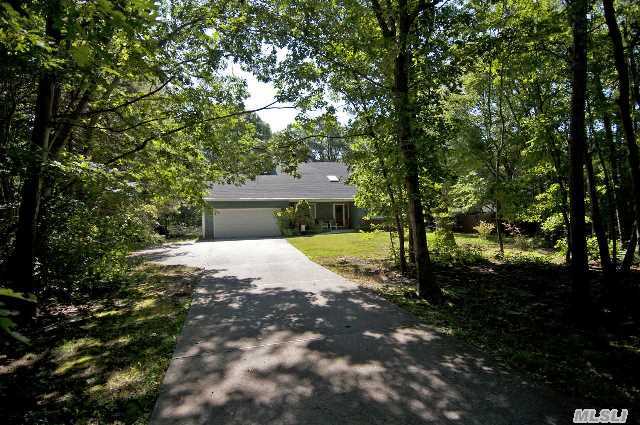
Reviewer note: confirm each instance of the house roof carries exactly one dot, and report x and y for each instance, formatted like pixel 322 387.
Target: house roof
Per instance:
pixel 314 183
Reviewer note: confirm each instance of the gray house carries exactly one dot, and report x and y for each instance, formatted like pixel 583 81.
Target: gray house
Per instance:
pixel 246 211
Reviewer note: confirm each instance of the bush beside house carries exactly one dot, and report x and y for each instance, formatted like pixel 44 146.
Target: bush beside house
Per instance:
pixel 296 219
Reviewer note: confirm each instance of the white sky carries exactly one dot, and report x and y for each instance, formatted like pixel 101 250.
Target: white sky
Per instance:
pixel 261 94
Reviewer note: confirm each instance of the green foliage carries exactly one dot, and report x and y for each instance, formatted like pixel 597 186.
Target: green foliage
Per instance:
pixel 484 229
pixel 285 217
pixel 520 240
pixel 181 221
pixel 443 240
pixel 447 252
pixel 593 252
pixel 302 214
pixel 553 225
pixel 291 218
pixel 7 325
pixel 143 120
pixel 526 258
pixel 562 246
pixel 88 246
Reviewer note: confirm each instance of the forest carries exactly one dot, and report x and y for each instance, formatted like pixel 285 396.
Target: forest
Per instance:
pixel 117 115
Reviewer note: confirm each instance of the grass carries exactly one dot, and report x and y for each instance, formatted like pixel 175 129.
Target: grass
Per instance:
pixel 376 246
pixel 373 245
pixel 514 308
pixel 101 361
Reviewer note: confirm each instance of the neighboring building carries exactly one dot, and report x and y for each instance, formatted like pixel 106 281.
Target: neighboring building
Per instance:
pixel 246 211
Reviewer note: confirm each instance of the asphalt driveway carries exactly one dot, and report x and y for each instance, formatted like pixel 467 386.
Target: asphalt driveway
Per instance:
pixel 273 338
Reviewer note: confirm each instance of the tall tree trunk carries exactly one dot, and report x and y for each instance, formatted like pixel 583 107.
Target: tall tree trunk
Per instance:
pixel 23 258
pixel 577 137
pixel 23 261
pixel 555 156
pixel 397 217
pixel 624 102
pixel 611 174
pixel 426 283
pixel 499 149
pixel 412 251
pixel 401 248
pixel 499 228
pixel 596 218
pixel 633 66
pixel 613 184
pixel 631 248
pixel 395 207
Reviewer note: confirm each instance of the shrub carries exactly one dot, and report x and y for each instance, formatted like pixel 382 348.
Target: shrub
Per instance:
pixel 7 316
pixel 593 252
pixel 520 241
pixel 484 229
pixel 316 228
pixel 302 214
pixel 526 258
pixel 182 230
pixel 89 241
pixel 458 255
pixel 289 219
pixel 443 241
pixel 553 226
pixel 561 246
pixel 444 246
pixel 285 218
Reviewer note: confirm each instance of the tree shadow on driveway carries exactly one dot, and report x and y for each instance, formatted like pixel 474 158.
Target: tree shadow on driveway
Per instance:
pixel 254 352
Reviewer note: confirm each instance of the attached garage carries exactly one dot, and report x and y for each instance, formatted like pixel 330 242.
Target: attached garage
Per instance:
pixel 244 223
pixel 240 219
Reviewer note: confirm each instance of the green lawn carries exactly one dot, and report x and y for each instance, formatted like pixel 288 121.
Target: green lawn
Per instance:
pixel 101 361
pixel 375 245
pixel 512 307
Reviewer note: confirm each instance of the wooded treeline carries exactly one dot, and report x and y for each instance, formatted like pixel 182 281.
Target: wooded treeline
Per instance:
pixel 112 111
pixel 524 110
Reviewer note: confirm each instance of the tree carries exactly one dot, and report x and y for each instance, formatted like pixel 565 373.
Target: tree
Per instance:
pixel 331 46
pixel 577 11
pixel 117 86
pixel 400 28
pixel 624 105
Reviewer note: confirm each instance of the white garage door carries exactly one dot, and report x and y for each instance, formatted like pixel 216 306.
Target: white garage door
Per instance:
pixel 244 223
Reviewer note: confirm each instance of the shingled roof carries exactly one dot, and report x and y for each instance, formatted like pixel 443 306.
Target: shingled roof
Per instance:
pixel 314 183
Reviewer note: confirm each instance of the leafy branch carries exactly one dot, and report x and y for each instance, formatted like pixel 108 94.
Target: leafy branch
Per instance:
pixel 145 142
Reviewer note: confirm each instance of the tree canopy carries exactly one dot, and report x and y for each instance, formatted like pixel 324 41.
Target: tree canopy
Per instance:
pixel 525 112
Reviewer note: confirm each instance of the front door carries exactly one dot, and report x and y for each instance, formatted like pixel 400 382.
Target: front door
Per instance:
pixel 339 213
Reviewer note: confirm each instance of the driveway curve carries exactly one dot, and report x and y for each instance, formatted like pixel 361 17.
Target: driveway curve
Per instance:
pixel 274 338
